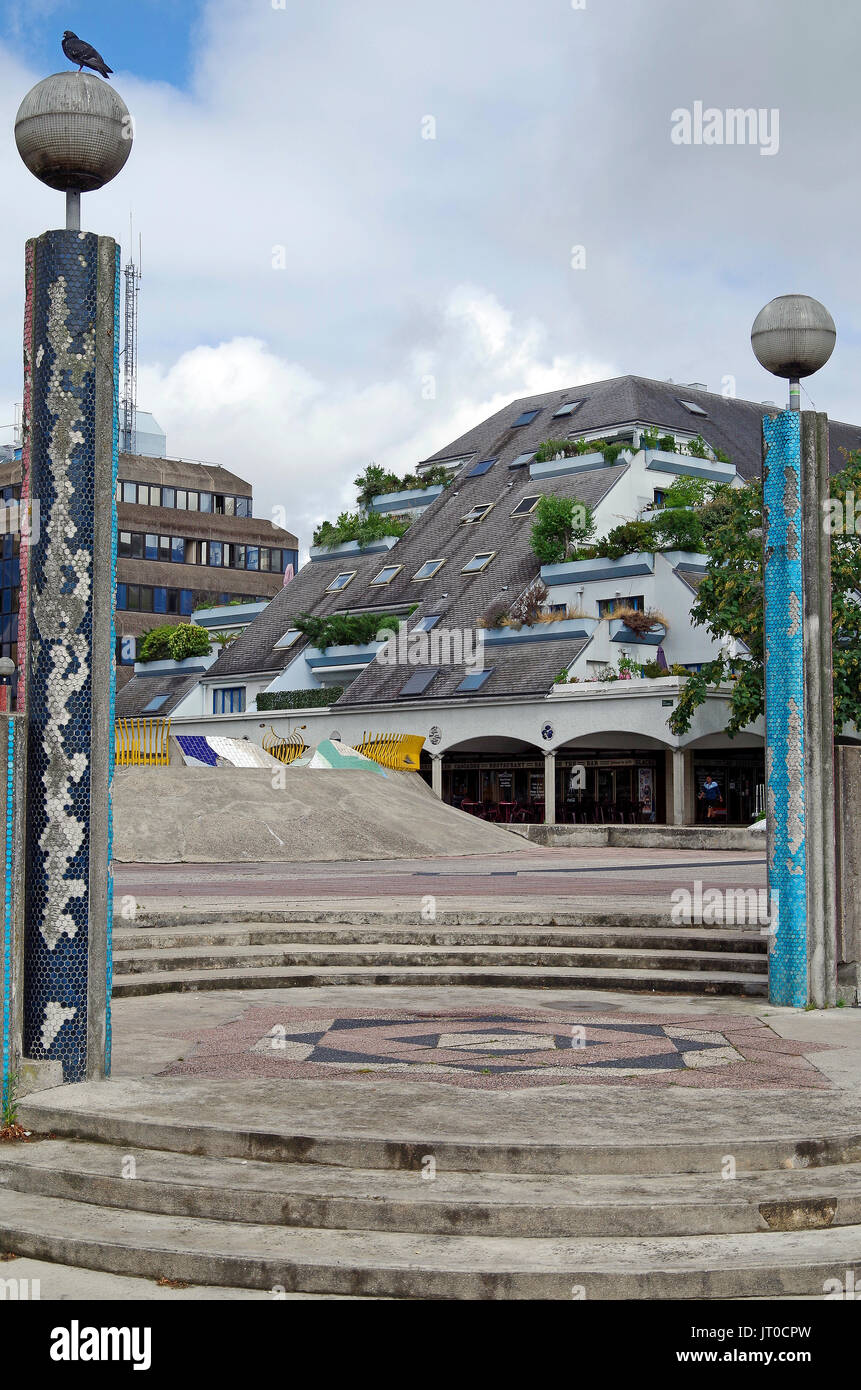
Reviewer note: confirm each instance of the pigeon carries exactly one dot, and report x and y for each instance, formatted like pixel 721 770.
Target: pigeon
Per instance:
pixel 77 51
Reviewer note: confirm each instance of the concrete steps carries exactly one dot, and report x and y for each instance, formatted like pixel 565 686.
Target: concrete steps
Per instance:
pixel 656 957
pixel 465 1203
pixel 385 955
pixel 276 977
pixel 410 1265
pixel 229 1191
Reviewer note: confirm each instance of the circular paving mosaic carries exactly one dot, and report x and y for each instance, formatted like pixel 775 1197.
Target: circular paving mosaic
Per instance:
pixel 503 1050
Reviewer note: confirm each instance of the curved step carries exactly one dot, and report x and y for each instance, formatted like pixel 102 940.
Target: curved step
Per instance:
pixel 464 1203
pixel 425 1266
pixel 275 934
pixel 303 954
pixel 500 977
pixel 222 1119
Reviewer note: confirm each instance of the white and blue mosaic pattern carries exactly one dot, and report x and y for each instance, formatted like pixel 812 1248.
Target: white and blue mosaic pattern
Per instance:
pixel 64 570
pixel 6 972
pixel 784 707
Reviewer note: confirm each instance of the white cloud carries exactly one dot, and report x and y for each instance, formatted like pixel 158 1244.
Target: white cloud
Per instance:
pixel 450 257
pixel 301 440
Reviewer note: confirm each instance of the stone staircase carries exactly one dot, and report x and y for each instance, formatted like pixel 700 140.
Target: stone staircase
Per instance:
pixel 216 1200
pixel 634 952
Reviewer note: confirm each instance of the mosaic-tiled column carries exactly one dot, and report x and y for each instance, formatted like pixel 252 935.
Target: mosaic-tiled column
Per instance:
pixel 12 814
pixel 66 645
pixel 799 710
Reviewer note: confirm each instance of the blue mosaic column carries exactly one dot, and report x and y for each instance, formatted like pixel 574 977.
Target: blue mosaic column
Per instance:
pixel 12 819
pixel 70 442
pixel 798 711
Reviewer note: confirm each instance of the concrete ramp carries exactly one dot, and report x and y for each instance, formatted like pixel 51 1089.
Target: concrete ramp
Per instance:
pixel 175 815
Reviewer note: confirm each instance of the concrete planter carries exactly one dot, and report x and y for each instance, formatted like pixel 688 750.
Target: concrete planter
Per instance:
pixel 577 463
pixel 568 629
pixel 620 632
pixel 584 571
pixel 348 550
pixel 413 499
pixel 346 655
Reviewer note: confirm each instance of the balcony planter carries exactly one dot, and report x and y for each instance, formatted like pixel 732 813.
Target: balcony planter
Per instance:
pixel 409 500
pixel 686 465
pixel 168 667
pixel 349 550
pixel 566 629
pixel 620 632
pixel 583 571
pixel 352 655
pixel 574 463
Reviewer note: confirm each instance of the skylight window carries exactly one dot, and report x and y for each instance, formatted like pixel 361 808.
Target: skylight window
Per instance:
pixel 290 636
pixel 428 569
pixel 341 581
pixel 474 681
pixel 481 468
pixel 387 574
pixel 522 459
pixel 478 562
pixel 477 513
pixel 527 505
pixel 155 704
pixel 567 409
pixel 693 408
pixel 526 418
pixel 419 681
pixel 425 624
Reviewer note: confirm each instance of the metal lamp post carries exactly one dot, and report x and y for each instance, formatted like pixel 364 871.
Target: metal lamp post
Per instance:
pixel 793 337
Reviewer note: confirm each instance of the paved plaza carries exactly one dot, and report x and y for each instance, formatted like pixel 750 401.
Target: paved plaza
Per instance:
pixel 587 879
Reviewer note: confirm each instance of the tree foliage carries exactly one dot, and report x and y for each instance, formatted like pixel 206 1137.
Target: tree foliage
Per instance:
pixel 560 523
pixel 729 604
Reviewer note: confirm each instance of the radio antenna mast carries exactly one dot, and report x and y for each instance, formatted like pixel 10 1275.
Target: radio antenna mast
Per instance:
pixel 129 402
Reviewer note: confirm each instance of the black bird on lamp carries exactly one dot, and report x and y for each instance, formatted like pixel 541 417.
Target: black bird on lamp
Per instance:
pixel 77 51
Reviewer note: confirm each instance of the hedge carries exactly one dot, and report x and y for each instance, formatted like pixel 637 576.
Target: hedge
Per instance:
pixel 298 699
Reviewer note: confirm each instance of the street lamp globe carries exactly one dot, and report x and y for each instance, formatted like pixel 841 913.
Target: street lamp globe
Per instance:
pixel 793 336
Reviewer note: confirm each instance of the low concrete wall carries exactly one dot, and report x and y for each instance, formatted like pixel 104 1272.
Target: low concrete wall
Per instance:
pixel 644 836
pixel 847 775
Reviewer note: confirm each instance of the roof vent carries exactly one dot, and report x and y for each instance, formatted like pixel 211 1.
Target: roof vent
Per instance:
pixel 697 385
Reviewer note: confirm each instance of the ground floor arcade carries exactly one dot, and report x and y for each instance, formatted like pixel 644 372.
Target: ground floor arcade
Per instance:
pixel 595 786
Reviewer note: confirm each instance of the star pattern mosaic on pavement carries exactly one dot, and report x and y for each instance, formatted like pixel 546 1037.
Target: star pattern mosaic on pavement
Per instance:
pixel 505 1050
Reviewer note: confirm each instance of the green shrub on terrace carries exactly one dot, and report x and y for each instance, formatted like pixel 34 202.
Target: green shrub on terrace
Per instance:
pixel 344 629
pixel 174 642
pixel 363 527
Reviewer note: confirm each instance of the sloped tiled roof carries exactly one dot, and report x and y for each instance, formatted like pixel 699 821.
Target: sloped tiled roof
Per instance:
pixel 522 668
pixel 438 533
pixel 134 697
pixel 729 423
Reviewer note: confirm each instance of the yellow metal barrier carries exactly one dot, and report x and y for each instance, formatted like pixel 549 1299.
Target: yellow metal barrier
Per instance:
pixel 400 752
pixel 142 742
pixel 286 750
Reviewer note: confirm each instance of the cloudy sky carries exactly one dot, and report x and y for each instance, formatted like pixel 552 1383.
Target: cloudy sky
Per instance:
pixel 324 285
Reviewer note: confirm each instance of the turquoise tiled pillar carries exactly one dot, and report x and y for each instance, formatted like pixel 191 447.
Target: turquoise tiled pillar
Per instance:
pixel 798 710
